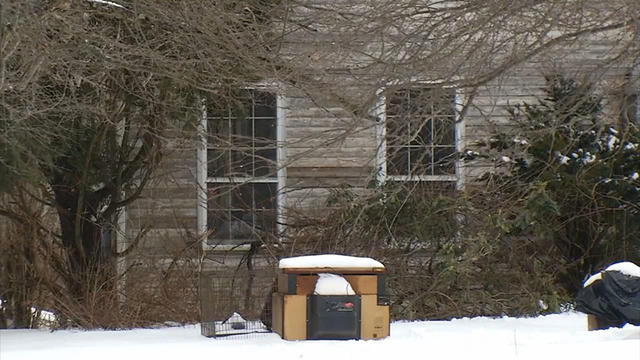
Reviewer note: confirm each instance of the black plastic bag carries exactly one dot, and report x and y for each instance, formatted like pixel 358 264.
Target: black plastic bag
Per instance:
pixel 615 298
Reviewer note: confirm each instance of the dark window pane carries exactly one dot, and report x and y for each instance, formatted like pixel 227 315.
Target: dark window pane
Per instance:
pixel 265 162
pixel 266 222
pixel 418 120
pixel 242 162
pixel 444 133
pixel 265 195
pixel 245 135
pixel 265 130
pixel 242 227
pixel 239 214
pixel 218 163
pixel 217 197
pixel 264 105
pixel 242 143
pixel 444 161
pixel 397 132
pixel 420 161
pixel 217 221
pixel 242 132
pixel 398 163
pixel 218 132
pixel 242 197
pixel 420 131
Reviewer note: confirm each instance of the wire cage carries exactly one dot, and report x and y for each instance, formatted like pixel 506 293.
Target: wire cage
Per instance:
pixel 235 294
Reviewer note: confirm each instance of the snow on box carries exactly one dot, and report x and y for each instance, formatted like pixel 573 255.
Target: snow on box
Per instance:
pixel 332 284
pixel 329 261
pixel 625 267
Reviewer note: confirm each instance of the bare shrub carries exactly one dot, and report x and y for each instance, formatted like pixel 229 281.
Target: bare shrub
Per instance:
pixel 444 256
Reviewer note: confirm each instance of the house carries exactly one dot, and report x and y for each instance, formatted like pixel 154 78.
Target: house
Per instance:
pixel 370 102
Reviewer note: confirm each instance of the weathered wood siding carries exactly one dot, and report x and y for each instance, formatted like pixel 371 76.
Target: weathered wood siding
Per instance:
pixel 326 147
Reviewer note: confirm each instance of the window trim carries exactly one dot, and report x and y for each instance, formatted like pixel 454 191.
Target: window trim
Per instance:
pixel 380 115
pixel 202 179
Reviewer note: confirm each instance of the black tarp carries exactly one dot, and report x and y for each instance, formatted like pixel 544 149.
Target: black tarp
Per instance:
pixel 615 298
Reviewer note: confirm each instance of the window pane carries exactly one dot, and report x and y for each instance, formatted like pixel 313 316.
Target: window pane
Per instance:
pixel 264 105
pixel 397 161
pixel 445 160
pixel 265 131
pixel 242 162
pixel 397 132
pixel 217 197
pixel 242 213
pixel 265 207
pixel 419 121
pixel 242 227
pixel 218 130
pixel 242 143
pixel 242 197
pixel 444 132
pixel 420 131
pixel 241 132
pixel 218 215
pixel 420 161
pixel 265 195
pixel 265 162
pixel 218 163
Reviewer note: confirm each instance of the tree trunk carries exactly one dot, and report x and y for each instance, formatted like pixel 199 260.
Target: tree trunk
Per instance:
pixel 90 271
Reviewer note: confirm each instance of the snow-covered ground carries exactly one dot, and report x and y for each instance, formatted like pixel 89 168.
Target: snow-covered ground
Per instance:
pixel 561 336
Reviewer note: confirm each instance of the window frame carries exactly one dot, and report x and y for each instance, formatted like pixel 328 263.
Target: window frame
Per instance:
pixel 203 180
pixel 380 114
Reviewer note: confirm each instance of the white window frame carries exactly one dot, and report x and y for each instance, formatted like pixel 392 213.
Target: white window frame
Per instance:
pixel 380 115
pixel 202 178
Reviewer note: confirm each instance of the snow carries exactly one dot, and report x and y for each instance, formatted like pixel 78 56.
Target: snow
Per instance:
pixel 332 284
pixel 520 141
pixel 612 142
pixel 106 3
pixel 558 336
pixel 236 324
pixel 588 158
pixel 562 158
pixel 329 261
pixel 625 267
pixel 97 187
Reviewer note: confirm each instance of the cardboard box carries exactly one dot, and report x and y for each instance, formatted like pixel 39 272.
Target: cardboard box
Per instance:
pixel 295 285
pixel 375 319
pixel 289 316
pixel 305 284
pixel 363 284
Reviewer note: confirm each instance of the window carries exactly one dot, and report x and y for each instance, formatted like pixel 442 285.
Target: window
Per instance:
pixel 419 135
pixel 242 173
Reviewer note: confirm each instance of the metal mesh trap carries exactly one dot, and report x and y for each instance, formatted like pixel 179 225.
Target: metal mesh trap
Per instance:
pixel 235 295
